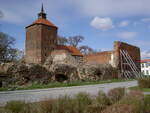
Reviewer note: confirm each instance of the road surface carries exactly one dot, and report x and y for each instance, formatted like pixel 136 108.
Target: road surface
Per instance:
pixel 41 94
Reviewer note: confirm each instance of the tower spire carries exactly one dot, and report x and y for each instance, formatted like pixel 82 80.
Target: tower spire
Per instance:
pixel 42 14
pixel 42 9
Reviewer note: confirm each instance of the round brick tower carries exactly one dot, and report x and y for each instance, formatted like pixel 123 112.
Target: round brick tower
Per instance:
pixel 41 39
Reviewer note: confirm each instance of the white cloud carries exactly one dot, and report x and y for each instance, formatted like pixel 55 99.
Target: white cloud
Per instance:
pixel 124 23
pixel 145 54
pixel 12 17
pixel 145 20
pixel 127 35
pixel 57 8
pixel 115 8
pixel 102 23
pixel 20 12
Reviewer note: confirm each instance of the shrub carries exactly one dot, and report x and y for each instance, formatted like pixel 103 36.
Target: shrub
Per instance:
pixel 116 94
pixel 119 108
pixel 102 100
pixel 147 104
pixel 93 109
pixel 15 106
pixel 100 103
pixel 130 103
pixel 144 82
pixel 2 110
pixel 135 99
pixel 46 106
pixel 82 100
pixel 64 104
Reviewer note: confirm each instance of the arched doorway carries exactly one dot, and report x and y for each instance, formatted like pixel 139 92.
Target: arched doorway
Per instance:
pixel 61 77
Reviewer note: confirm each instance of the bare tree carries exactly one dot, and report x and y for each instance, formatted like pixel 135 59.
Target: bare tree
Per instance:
pixel 62 40
pixel 7 52
pixel 86 49
pixel 75 40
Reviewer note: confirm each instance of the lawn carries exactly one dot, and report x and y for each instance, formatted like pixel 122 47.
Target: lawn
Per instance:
pixel 141 89
pixel 59 84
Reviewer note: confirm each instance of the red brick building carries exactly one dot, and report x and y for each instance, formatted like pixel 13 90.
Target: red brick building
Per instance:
pixel 41 40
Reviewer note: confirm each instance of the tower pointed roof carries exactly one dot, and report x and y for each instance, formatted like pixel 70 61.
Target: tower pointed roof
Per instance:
pixel 42 9
pixel 42 19
pixel 42 14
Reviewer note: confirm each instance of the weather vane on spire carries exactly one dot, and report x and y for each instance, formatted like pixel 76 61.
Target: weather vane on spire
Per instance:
pixel 42 15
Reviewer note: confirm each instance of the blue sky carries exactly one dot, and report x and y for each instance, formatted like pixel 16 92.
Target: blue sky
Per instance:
pixel 101 22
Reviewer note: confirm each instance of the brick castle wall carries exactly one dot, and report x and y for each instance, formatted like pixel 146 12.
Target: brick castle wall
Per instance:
pixel 100 58
pixel 113 57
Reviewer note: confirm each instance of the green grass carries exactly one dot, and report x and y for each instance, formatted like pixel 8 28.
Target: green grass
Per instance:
pixel 58 84
pixel 3 89
pixel 141 89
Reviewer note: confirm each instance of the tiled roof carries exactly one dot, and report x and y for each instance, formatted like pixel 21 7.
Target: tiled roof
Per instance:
pixel 43 21
pixel 73 50
pixel 145 60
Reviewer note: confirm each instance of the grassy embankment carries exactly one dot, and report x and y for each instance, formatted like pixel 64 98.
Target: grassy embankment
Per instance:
pixel 143 85
pixel 59 84
pixel 140 89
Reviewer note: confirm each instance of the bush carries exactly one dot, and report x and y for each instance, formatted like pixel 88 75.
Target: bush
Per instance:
pixel 116 94
pixel 93 109
pixel 100 103
pixel 82 100
pixel 119 108
pixel 147 104
pixel 46 106
pixel 102 99
pixel 15 106
pixel 144 82
pixel 64 104
pixel 135 99
pixel 130 103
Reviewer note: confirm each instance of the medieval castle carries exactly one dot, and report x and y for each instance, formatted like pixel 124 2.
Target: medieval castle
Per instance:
pixel 41 41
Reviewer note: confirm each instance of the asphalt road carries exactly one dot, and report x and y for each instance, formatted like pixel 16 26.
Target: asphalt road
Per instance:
pixel 41 94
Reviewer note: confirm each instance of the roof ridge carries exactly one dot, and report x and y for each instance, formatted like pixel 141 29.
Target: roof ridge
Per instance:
pixel 43 21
